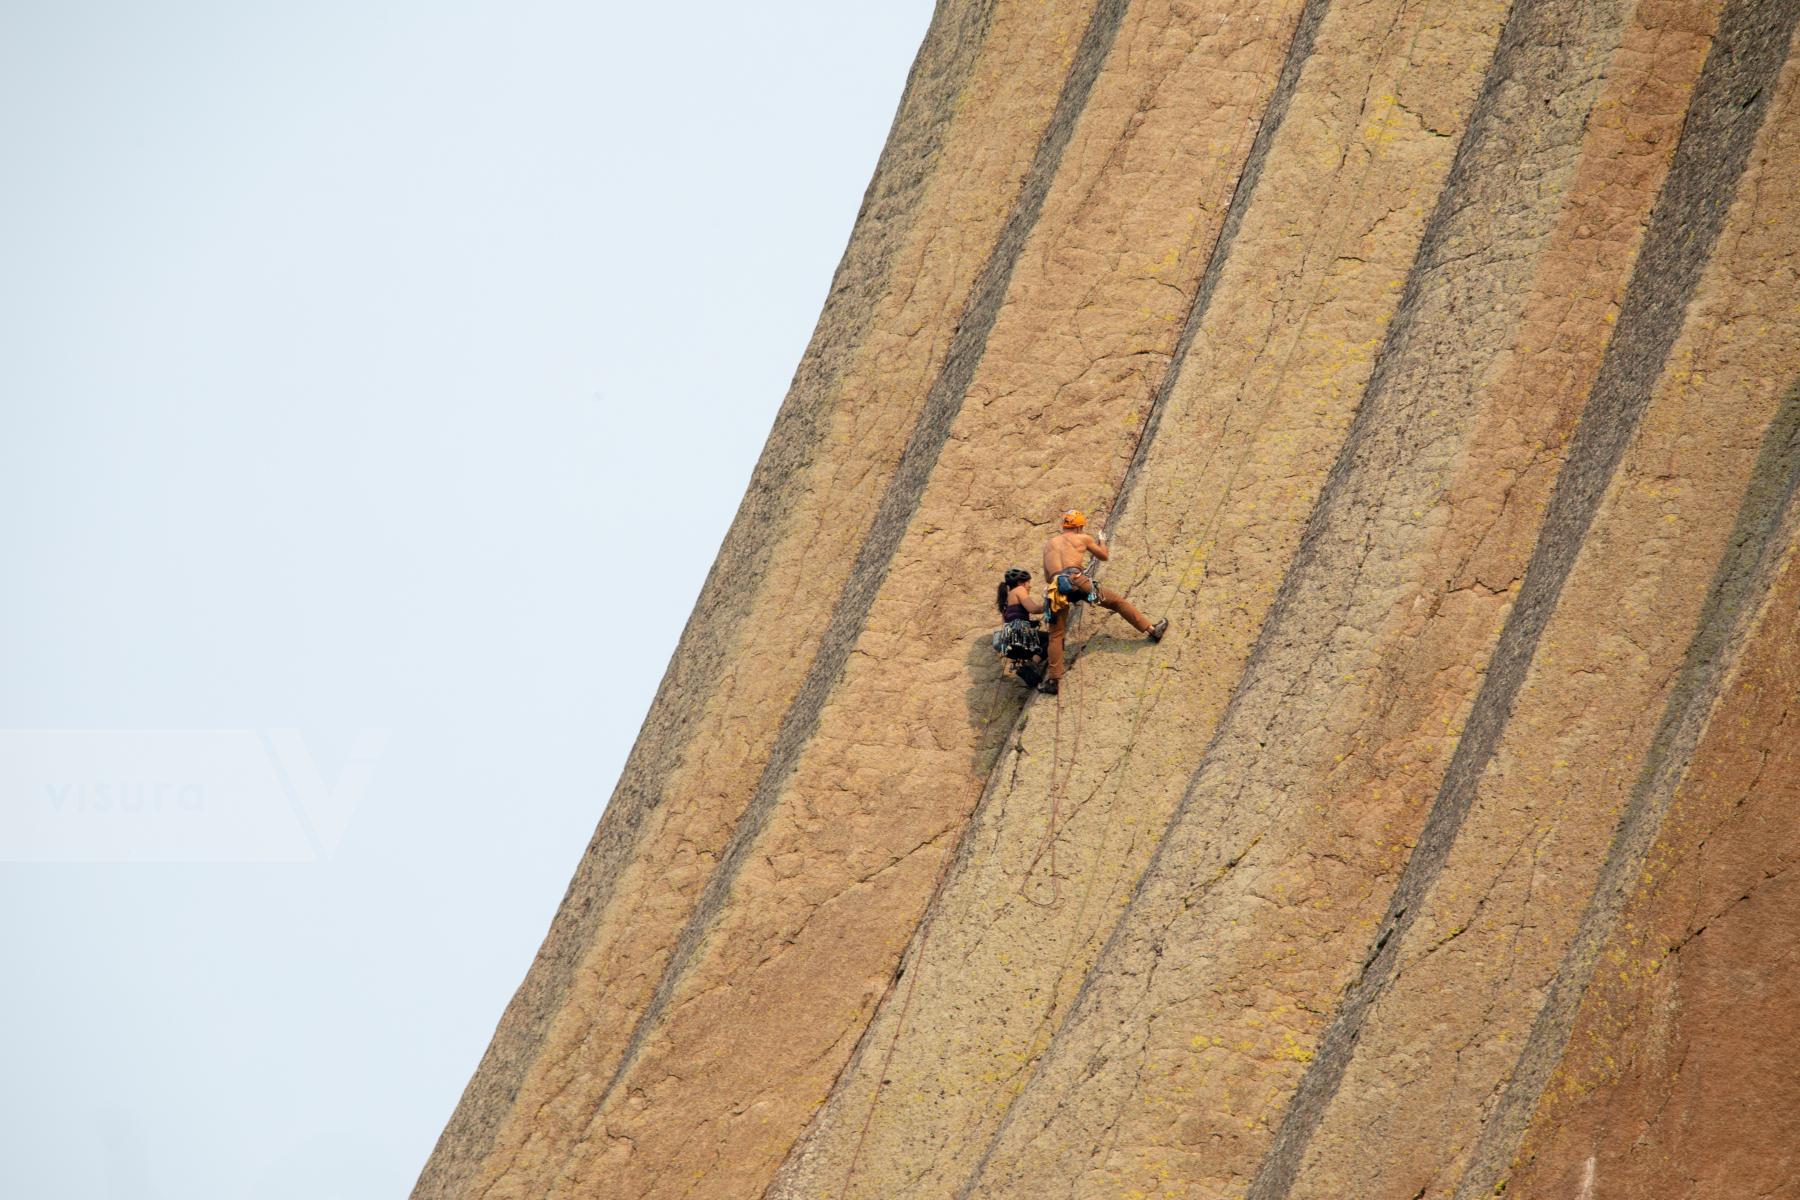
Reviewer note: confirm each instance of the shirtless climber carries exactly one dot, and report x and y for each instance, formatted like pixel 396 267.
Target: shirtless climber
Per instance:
pixel 1065 568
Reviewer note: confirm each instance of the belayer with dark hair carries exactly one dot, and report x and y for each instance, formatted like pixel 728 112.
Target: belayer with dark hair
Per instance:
pixel 1021 641
pixel 1014 596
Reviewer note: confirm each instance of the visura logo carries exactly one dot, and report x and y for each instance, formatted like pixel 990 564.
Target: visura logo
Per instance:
pixel 217 795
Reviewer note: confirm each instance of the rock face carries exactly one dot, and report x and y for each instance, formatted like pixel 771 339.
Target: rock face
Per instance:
pixel 1435 365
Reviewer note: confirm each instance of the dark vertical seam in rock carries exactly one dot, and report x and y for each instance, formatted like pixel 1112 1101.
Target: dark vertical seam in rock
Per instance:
pixel 942 404
pixel 1715 142
pixel 1300 46
pixel 1745 573
pixel 934 84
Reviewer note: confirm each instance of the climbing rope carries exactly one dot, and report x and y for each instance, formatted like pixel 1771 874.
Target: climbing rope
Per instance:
pixel 1058 788
pixel 1049 842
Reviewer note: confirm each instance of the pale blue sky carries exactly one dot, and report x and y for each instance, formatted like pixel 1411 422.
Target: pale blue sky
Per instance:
pixel 366 366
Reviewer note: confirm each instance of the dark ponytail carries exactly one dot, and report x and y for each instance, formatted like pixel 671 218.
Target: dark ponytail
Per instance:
pixel 1000 597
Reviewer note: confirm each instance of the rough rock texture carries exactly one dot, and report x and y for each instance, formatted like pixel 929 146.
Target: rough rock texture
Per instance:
pixel 1433 363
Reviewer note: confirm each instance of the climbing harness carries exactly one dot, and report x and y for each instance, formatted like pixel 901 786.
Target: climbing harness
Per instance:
pixel 1070 591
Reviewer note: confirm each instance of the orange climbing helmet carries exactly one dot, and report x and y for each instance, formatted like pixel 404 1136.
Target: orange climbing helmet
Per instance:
pixel 1074 519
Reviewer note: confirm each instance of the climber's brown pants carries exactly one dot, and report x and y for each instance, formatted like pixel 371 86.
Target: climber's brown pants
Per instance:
pixel 1059 623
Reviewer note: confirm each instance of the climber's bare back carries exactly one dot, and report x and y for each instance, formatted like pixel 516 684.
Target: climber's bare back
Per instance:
pixel 1070 548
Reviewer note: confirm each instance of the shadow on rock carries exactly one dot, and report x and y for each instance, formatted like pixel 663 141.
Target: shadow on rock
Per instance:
pixel 994 697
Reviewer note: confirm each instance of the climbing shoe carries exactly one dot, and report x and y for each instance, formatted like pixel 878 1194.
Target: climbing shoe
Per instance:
pixel 1049 687
pixel 1157 630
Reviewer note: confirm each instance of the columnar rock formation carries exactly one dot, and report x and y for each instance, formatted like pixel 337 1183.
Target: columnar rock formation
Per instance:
pixel 1433 364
